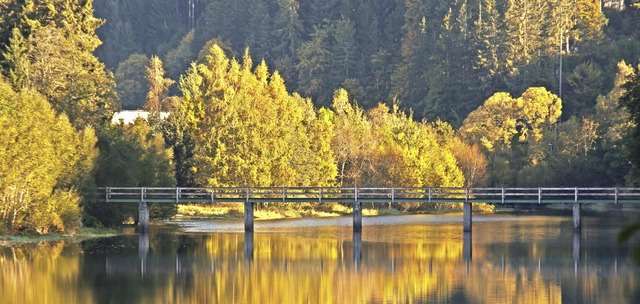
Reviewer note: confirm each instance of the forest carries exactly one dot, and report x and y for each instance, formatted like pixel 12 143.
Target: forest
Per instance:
pixel 413 93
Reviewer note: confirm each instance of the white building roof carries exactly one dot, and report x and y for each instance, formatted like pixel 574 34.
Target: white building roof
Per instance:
pixel 129 116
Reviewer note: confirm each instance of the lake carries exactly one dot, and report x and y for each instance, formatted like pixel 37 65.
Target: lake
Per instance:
pixel 396 259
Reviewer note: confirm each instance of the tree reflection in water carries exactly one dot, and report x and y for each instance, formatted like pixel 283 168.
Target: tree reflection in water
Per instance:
pixel 517 260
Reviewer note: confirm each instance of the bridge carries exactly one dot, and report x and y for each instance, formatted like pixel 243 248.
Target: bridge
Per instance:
pixel 356 196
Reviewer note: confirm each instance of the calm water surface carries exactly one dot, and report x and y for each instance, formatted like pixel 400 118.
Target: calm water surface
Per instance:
pixel 403 259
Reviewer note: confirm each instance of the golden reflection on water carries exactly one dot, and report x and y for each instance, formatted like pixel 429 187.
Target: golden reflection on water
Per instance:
pixel 502 262
pixel 40 273
pixel 296 270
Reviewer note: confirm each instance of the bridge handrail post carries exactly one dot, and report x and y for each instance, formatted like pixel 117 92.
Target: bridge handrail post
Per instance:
pixel 503 194
pixel 429 195
pixel 539 195
pixel 576 195
pixel 393 195
pixel 142 193
pixel 177 195
pixel 320 195
pixel 284 194
pixel 466 194
pixel 107 194
pixel 616 195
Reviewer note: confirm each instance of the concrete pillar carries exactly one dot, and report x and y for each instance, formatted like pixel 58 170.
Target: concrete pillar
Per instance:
pixel 248 216
pixel 357 216
pixel 577 222
pixel 466 217
pixel 143 217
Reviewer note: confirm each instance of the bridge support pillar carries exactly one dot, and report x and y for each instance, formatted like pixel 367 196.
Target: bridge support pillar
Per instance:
pixel 248 216
pixel 143 217
pixel 466 217
pixel 357 216
pixel 577 222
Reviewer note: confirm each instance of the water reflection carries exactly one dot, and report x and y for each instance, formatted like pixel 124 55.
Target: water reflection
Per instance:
pixel 576 251
pixel 521 260
pixel 248 247
pixel 357 249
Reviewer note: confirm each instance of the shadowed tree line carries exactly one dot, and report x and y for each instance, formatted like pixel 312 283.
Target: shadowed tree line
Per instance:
pixel 431 95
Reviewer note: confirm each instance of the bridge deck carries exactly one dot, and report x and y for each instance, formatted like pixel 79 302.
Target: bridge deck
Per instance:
pixel 366 195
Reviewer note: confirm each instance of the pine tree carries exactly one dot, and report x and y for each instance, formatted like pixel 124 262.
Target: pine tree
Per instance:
pixel 17 61
pixel 288 28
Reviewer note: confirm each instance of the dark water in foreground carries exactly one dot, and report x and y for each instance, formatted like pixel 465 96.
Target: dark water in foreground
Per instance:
pixel 418 258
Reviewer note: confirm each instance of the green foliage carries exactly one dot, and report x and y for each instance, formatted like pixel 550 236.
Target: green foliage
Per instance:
pixel 493 124
pixel 120 33
pixel 630 100
pixel 527 147
pixel 615 126
pixel 16 60
pixel 511 130
pixel 247 129
pixel 59 37
pixel 574 144
pixel 586 81
pixel 502 117
pixel 443 59
pixel 178 59
pixel 411 153
pixel 82 90
pixel 132 155
pixel 177 134
pixel 61 212
pixel 45 161
pixel 352 143
pixel 237 125
pixel 385 147
pixel 288 28
pixel 158 89
pixel 132 83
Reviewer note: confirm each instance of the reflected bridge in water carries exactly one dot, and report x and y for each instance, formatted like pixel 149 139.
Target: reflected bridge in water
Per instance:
pixel 357 196
pixel 183 262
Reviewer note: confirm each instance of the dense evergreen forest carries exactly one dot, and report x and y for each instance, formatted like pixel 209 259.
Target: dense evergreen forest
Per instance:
pixel 310 93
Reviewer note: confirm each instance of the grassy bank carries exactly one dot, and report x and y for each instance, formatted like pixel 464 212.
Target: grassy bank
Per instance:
pixel 82 234
pixel 279 211
pixel 236 211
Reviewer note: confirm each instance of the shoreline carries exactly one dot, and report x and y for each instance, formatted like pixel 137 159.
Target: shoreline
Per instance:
pixel 229 213
pixel 83 233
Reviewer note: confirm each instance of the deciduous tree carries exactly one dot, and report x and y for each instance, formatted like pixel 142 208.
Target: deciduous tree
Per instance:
pixel 46 162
